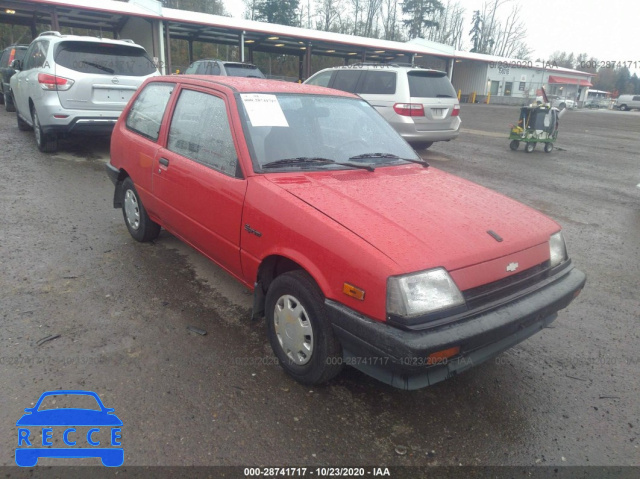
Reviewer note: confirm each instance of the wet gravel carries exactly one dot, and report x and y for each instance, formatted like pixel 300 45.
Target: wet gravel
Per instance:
pixel 567 396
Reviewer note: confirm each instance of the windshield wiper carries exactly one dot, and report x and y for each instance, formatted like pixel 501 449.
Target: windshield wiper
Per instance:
pixel 313 160
pixel 98 66
pixel 390 156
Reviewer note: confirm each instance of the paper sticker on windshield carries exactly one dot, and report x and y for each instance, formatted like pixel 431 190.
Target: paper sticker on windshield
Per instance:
pixel 263 110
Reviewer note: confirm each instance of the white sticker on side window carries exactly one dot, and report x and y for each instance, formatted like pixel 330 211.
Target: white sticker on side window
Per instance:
pixel 263 110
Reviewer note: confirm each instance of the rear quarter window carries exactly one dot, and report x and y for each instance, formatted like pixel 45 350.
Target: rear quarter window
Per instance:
pixel 104 59
pixel 430 85
pixel 346 80
pixel 145 116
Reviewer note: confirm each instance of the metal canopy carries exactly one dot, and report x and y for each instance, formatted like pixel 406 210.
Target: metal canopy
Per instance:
pixel 111 16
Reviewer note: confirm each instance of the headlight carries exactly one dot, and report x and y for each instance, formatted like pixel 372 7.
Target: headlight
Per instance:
pixel 557 249
pixel 421 293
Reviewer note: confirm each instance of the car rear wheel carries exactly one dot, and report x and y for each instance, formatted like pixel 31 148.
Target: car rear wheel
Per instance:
pixel 47 143
pixel 299 330
pixel 624 107
pixel 8 102
pixel 140 226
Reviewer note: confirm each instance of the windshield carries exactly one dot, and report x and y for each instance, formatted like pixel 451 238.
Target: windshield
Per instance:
pixel 291 126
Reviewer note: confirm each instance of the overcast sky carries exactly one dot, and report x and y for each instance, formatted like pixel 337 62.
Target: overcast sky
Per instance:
pixel 606 30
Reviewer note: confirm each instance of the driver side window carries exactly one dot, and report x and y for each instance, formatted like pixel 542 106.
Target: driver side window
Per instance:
pixel 200 131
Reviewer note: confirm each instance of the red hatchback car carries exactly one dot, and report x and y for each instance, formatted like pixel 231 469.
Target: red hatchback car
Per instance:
pixel 356 250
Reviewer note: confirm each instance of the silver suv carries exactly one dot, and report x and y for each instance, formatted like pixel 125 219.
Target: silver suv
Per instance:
pixel 70 84
pixel 211 66
pixel 420 104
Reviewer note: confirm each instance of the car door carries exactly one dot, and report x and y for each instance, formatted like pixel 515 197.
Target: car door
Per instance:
pixel 26 85
pixel 197 181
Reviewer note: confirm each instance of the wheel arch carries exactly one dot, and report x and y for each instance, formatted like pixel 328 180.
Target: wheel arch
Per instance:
pixel 269 269
pixel 119 192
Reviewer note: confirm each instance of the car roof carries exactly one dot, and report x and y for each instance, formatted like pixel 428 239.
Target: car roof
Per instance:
pixel 224 62
pixel 82 38
pixel 253 85
pixel 383 67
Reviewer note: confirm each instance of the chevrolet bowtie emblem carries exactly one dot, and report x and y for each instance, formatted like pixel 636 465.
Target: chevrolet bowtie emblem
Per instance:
pixel 511 267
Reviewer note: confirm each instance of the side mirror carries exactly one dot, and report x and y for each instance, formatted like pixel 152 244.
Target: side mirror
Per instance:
pixel 16 65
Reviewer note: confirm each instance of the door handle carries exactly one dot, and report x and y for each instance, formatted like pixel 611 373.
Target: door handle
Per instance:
pixel 164 162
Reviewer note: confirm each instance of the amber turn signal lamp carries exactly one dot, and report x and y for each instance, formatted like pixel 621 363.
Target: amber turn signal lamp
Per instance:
pixel 351 290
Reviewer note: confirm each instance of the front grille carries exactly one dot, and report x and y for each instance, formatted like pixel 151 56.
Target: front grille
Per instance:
pixel 488 293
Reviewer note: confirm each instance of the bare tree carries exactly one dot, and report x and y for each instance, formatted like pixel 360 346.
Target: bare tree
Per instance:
pixel 328 12
pixel 450 25
pixel 371 12
pixel 390 20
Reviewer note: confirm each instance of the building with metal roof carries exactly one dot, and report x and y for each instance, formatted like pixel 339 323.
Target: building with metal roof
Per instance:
pixel 153 26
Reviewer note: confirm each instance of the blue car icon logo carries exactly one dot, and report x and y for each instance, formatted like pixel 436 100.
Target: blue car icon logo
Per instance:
pixel 75 426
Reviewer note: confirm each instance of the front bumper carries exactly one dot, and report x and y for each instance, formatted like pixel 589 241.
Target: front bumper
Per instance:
pixel 399 357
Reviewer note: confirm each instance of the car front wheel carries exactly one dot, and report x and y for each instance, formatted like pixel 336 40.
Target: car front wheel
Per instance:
pixel 140 226
pixel 299 330
pixel 47 143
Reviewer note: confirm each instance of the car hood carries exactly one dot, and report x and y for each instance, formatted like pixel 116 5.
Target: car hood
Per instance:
pixel 422 218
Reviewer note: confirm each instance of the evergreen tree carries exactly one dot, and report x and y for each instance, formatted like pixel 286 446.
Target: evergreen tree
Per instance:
pixel 282 12
pixel 420 15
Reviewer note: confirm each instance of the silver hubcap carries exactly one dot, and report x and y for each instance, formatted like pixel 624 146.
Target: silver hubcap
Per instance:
pixel 293 329
pixel 132 209
pixel 36 128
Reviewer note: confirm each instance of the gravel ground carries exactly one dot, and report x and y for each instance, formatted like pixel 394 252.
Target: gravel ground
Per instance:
pixel 567 396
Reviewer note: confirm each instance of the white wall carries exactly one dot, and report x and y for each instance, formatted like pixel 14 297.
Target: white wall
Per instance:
pixel 145 33
pixel 470 76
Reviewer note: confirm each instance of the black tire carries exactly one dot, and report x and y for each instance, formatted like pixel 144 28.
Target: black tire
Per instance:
pixel 422 145
pixel 324 358
pixel 22 125
pixel 529 147
pixel 3 97
pixel 548 147
pixel 47 143
pixel 8 102
pixel 624 108
pixel 514 145
pixel 140 226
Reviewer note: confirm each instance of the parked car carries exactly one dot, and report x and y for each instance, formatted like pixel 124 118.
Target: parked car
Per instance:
pixel 627 102
pixel 9 54
pixel 562 102
pixel 357 251
pixel 211 66
pixel 420 104
pixel 69 84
